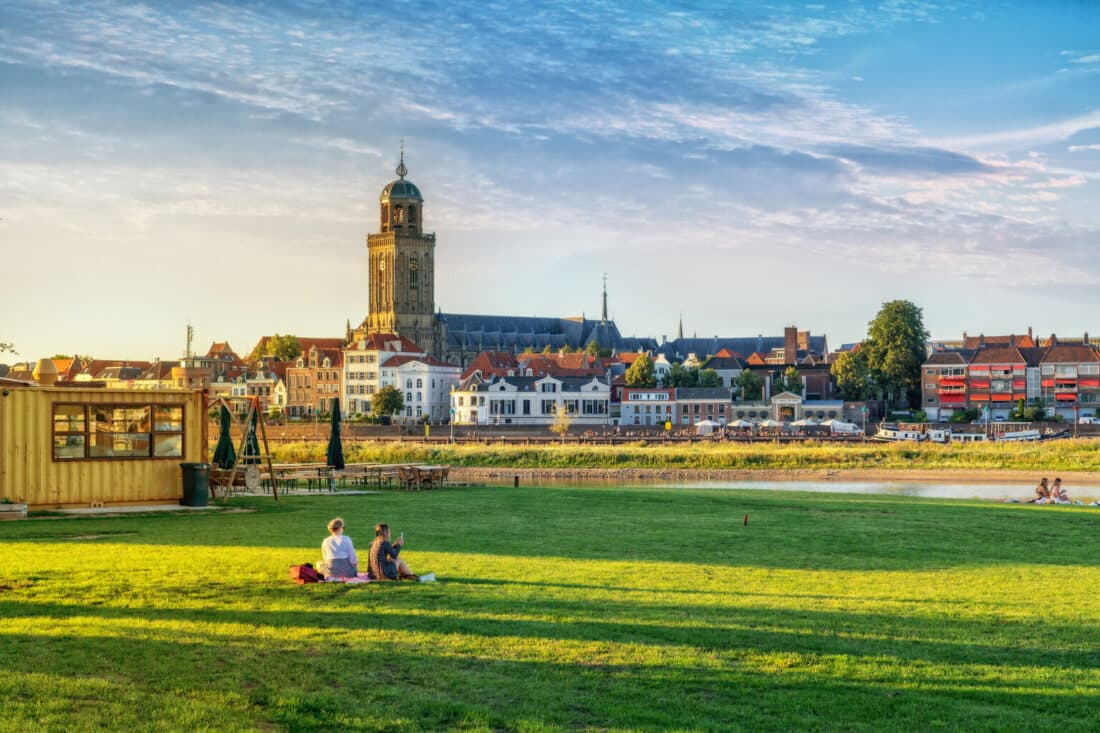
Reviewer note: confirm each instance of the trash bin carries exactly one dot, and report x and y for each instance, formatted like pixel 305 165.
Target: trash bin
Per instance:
pixel 196 484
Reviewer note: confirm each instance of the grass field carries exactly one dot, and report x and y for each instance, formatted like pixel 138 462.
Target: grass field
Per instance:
pixel 640 609
pixel 1061 455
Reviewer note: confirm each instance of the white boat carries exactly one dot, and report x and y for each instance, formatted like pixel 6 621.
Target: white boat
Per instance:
pixel 1018 436
pixel 893 433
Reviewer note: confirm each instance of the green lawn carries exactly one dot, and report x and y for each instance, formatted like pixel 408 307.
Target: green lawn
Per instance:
pixel 639 609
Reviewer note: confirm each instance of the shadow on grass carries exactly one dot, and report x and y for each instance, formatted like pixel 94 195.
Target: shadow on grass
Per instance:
pixel 317 683
pixel 937 640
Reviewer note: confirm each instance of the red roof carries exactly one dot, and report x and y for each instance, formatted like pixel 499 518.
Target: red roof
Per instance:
pixel 492 364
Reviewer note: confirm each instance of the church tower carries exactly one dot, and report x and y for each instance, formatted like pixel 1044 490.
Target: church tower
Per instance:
pixel 402 266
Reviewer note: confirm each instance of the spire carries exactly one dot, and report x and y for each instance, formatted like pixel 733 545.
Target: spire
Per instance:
pixel 680 329
pixel 401 169
pixel 603 313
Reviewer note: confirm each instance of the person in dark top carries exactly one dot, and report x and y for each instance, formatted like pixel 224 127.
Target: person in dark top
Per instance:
pixel 384 561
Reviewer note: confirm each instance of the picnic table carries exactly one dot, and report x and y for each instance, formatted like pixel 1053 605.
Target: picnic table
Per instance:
pixel 421 476
pixel 315 475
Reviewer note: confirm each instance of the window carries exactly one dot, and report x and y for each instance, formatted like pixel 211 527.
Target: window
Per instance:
pixel 419 383
pixel 418 399
pixel 548 407
pixel 527 407
pixel 548 387
pixel 117 431
pixel 408 396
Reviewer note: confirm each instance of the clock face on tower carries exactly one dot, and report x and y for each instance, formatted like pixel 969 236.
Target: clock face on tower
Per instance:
pixel 413 264
pixel 382 265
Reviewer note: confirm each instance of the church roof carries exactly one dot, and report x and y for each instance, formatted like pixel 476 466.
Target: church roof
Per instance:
pixel 515 333
pixel 400 189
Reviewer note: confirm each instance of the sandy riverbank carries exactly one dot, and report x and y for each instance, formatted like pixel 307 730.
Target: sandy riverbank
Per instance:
pixel 1026 479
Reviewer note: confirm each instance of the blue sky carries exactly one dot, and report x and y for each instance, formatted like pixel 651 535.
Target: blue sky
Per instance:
pixel 751 167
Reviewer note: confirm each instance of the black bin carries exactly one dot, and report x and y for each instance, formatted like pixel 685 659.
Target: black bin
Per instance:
pixel 196 484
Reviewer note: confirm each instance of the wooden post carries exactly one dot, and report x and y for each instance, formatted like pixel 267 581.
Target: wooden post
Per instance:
pixel 267 453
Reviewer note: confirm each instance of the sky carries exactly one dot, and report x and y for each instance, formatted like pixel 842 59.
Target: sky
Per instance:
pixel 745 165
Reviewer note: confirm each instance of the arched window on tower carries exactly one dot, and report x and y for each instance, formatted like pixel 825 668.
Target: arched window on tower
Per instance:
pixel 412 217
pixel 398 215
pixel 385 217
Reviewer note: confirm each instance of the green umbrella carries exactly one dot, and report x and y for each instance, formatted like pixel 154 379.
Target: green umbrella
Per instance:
pixel 224 455
pixel 335 453
pixel 251 445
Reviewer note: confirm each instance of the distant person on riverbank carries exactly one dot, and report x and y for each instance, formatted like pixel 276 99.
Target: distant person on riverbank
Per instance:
pixel 384 561
pixel 1042 493
pixel 338 554
pixel 1058 495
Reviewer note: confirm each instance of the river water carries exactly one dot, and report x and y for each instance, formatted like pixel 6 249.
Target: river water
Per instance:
pixel 929 490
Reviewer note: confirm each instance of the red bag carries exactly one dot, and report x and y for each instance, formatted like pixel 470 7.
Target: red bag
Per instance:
pixel 304 574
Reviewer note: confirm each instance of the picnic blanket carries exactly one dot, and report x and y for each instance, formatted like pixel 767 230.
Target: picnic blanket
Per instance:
pixel 360 578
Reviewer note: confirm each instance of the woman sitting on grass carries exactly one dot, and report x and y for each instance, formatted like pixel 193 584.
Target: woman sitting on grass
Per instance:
pixel 1042 493
pixel 339 558
pixel 384 562
pixel 1058 495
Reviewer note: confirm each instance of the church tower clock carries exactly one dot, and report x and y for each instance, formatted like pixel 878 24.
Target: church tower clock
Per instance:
pixel 402 266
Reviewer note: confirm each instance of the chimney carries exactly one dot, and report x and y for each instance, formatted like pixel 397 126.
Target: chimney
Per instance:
pixel 45 372
pixel 981 339
pixel 964 336
pixel 1029 334
pixel 1086 338
pixel 1053 340
pixel 790 344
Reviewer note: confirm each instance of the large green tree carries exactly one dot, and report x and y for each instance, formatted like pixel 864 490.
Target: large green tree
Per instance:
pixel 641 373
pixel 791 381
pixel 387 402
pixel 749 386
pixel 896 347
pixel 284 348
pixel 709 378
pixel 851 374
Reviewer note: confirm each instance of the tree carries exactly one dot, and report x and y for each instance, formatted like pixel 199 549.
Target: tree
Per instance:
pixel 528 349
pixel 709 378
pixel 592 349
pixel 791 381
pixel 896 348
pixel 387 402
pixel 567 349
pixel 561 423
pixel 284 348
pixel 640 373
pixel 851 375
pixel 749 385
pixel 970 414
pixel 547 350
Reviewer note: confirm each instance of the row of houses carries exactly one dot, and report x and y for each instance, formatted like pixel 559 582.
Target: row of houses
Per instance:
pixel 993 374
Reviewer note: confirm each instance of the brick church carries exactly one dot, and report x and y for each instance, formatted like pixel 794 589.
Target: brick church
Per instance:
pixel 402 260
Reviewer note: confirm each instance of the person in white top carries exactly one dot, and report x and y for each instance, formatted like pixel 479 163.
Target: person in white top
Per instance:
pixel 338 553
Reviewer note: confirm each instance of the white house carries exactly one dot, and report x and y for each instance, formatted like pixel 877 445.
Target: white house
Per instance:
pixel 425 384
pixel 362 372
pixel 531 400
